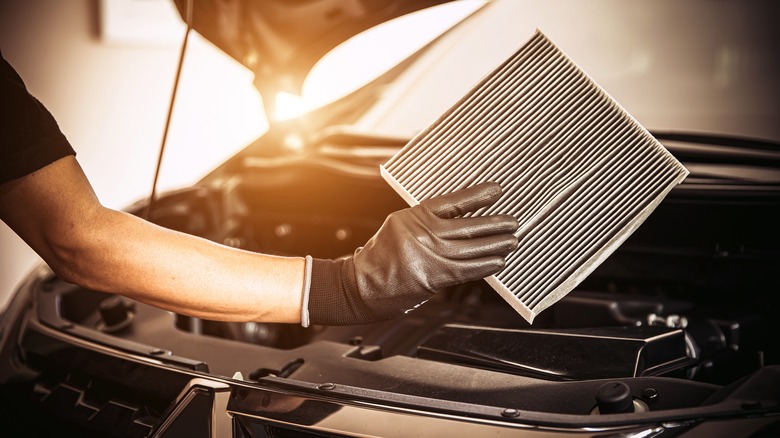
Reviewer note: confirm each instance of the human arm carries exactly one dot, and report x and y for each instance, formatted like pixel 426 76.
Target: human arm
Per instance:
pixel 46 199
pixel 416 253
pixel 57 213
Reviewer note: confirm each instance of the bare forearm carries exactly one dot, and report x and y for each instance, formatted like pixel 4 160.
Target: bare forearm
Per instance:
pixel 56 212
pixel 185 274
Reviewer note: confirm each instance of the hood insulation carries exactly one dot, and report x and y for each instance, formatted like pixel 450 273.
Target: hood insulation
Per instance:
pixel 579 173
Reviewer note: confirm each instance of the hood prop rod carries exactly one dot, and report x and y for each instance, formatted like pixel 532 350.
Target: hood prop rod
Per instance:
pixel 150 205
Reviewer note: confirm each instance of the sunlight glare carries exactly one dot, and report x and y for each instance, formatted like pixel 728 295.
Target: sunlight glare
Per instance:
pixel 364 57
pixel 288 106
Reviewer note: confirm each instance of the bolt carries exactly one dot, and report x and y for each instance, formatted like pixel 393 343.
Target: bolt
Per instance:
pixel 649 393
pixel 283 230
pixel 157 352
pixel 342 233
pixel 327 386
pixel 510 412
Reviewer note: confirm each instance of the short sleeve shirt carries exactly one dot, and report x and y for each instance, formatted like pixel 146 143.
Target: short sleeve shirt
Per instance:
pixel 29 136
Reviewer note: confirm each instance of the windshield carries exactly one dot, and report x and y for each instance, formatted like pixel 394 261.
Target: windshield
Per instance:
pixel 695 67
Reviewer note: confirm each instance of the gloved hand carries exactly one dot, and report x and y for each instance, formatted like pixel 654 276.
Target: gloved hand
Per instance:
pixel 417 252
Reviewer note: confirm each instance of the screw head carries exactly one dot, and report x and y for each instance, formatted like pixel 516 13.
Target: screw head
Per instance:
pixel 649 393
pixel 510 412
pixel 327 386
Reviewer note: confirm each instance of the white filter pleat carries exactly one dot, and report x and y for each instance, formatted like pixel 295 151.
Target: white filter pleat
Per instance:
pixel 578 172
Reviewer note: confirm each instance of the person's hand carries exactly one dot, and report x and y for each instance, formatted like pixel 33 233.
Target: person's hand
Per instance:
pixel 417 252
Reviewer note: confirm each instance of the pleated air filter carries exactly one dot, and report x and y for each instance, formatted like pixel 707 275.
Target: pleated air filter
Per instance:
pixel 579 173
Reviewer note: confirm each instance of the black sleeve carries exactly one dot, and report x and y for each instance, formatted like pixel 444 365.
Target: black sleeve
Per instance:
pixel 29 136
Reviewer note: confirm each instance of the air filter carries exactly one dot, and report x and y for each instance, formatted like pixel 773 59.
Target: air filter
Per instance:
pixel 579 173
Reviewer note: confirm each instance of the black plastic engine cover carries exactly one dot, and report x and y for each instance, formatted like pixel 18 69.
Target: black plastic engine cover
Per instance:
pixel 568 354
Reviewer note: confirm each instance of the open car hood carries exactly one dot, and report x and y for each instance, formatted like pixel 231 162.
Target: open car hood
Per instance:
pixel 281 40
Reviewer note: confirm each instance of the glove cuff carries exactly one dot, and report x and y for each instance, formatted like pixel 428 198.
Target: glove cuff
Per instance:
pixel 334 298
pixel 306 291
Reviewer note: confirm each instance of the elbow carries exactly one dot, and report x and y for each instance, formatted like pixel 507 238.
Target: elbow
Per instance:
pixel 66 262
pixel 74 255
pixel 68 275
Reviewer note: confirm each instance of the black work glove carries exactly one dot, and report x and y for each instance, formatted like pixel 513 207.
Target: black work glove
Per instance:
pixel 417 252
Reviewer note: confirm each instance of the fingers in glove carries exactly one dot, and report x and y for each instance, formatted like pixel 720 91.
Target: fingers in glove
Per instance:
pixel 477 269
pixel 463 201
pixel 470 227
pixel 498 245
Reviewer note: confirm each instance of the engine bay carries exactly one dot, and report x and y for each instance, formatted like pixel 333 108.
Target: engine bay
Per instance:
pixel 678 316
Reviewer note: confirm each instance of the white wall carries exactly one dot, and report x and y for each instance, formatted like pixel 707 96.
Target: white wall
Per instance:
pixel 110 99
